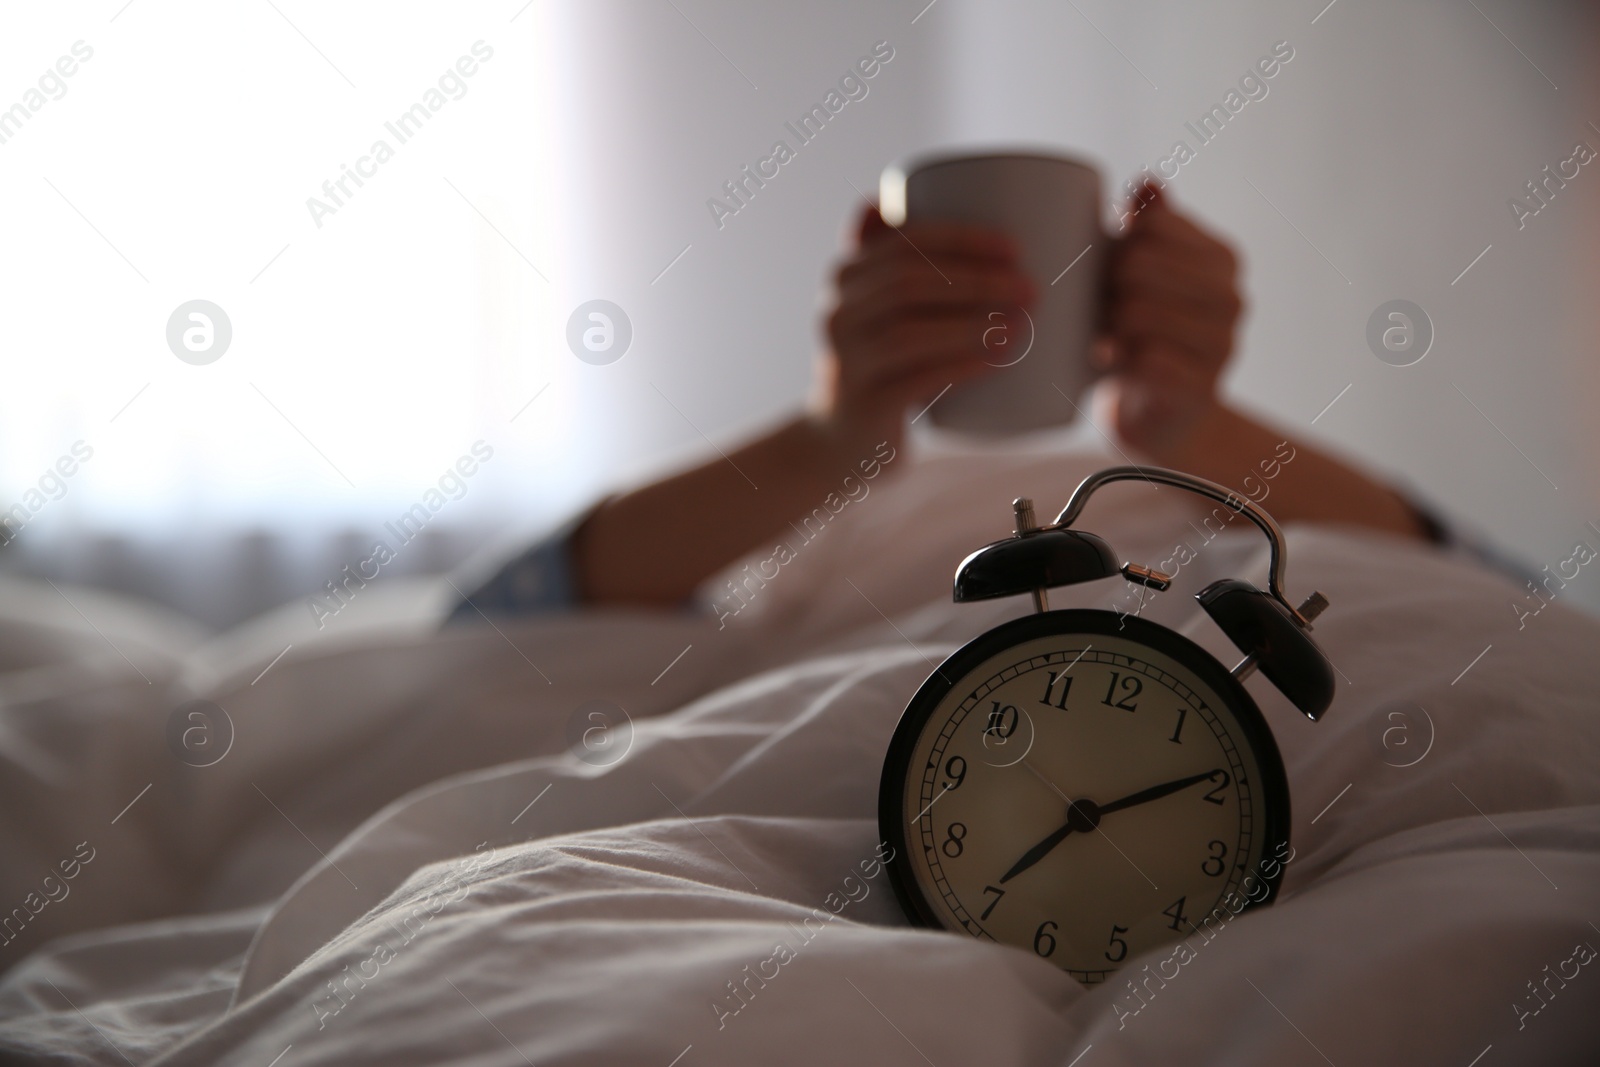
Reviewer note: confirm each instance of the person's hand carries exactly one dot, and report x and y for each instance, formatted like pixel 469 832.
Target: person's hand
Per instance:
pixel 909 320
pixel 1171 307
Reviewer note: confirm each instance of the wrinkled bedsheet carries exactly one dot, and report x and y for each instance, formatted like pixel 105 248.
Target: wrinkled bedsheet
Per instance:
pixel 406 856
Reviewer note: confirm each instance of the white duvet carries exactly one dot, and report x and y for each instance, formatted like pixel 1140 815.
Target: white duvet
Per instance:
pixel 401 859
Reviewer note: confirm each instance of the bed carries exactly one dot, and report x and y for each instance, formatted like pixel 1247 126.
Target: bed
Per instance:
pixel 403 856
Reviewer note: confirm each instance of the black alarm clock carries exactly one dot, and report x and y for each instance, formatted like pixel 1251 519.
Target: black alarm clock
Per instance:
pixel 1085 784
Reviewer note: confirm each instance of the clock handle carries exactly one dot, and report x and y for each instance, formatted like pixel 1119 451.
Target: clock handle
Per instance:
pixel 1223 495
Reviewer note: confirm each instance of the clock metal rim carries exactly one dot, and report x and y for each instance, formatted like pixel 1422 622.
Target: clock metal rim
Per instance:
pixel 1272 786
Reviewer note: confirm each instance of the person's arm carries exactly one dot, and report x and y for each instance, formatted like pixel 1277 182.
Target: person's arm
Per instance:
pixel 1172 308
pixel 656 544
pixel 1234 450
pixel 902 330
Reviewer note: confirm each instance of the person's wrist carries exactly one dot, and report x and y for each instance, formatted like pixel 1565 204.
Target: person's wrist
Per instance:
pixel 842 441
pixel 1206 433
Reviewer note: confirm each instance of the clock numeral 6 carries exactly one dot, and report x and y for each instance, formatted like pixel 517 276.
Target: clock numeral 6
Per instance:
pixel 1219 852
pixel 1043 943
pixel 1120 945
pixel 954 835
pixel 1130 688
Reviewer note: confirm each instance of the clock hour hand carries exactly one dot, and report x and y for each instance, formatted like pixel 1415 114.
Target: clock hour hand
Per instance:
pixel 1082 816
pixel 1156 792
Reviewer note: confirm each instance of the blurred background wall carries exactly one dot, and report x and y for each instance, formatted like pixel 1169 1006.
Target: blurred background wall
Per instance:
pixel 375 344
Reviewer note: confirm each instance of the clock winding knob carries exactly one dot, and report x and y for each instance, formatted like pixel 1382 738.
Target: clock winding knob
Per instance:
pixel 1311 607
pixel 1022 511
pixel 1148 577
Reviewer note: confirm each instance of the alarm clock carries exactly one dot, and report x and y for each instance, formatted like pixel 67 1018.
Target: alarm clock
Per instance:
pixel 1084 784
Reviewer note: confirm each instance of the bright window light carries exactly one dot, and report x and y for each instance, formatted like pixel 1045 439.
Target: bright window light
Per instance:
pixel 363 199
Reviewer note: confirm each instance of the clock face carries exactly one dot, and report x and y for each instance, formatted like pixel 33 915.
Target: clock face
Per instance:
pixel 1085 786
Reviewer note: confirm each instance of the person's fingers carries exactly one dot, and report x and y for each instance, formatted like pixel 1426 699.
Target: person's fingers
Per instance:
pixel 884 275
pixel 1161 221
pixel 938 237
pixel 933 239
pixel 1154 215
pixel 1155 272
pixel 1145 265
pixel 1172 285
pixel 1171 308
pixel 1160 215
pixel 921 387
pixel 1207 255
pixel 895 290
pixel 1146 199
pixel 1167 367
pixel 929 340
pixel 1116 358
pixel 889 255
pixel 869 225
pixel 1149 307
pixel 1206 337
pixel 929 246
pixel 1143 195
pixel 1103 354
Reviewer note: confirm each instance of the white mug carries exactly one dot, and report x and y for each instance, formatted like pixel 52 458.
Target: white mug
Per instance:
pixel 1050 205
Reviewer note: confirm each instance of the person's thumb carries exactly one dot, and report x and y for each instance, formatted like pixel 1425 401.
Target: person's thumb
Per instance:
pixel 1147 198
pixel 870 225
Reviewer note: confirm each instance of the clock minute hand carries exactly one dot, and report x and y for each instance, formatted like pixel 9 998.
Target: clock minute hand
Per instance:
pixel 1085 815
pixel 1156 792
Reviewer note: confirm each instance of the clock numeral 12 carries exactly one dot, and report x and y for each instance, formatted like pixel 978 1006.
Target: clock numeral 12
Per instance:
pixel 1131 687
pixel 1066 687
